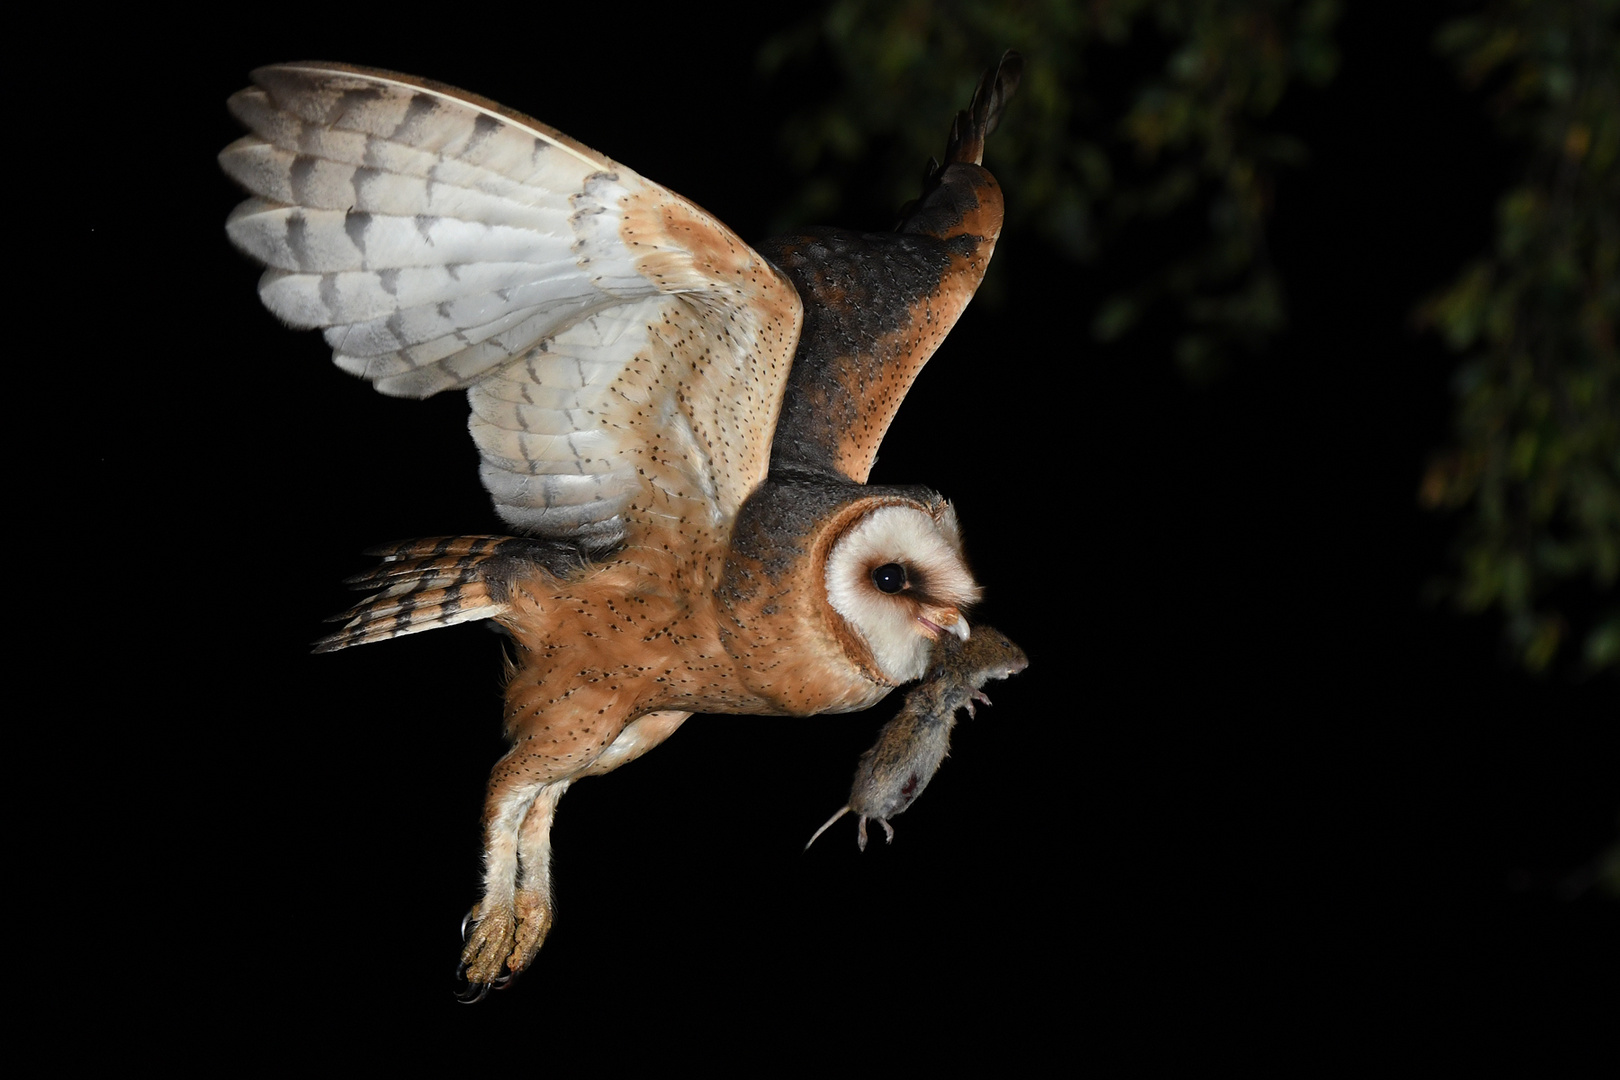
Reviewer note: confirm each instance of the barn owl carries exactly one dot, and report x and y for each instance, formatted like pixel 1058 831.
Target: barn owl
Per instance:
pixel 677 428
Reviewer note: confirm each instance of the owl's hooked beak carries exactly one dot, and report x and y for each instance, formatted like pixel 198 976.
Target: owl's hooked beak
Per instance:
pixel 943 620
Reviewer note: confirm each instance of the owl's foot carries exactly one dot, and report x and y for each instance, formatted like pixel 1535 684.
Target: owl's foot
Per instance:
pixel 503 943
pixel 534 916
pixel 489 943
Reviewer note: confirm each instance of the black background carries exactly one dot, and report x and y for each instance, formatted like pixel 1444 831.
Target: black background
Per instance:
pixel 1253 797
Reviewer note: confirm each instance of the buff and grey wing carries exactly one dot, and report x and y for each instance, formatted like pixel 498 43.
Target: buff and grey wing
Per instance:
pixel 624 353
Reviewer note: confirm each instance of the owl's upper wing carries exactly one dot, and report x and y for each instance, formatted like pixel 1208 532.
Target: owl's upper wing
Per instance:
pixel 878 305
pixel 624 352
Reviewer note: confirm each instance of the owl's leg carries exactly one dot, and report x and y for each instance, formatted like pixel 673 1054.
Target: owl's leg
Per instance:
pixel 640 736
pixel 533 902
pixel 513 811
pixel 552 750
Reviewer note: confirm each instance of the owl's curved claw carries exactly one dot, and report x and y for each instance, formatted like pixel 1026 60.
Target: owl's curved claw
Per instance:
pixel 467 996
pixel 473 993
pixel 470 917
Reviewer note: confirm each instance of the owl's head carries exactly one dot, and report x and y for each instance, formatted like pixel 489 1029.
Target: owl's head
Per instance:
pixel 835 592
pixel 896 577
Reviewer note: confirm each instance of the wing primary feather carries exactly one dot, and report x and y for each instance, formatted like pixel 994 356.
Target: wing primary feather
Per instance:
pixel 974 124
pixel 443 242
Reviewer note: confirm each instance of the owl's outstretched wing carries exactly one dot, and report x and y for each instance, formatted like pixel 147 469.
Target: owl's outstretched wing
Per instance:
pixel 878 305
pixel 624 352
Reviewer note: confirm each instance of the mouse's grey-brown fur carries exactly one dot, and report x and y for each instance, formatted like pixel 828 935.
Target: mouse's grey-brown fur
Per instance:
pixel 911 747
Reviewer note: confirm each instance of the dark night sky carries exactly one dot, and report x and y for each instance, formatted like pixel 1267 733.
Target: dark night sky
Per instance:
pixel 1250 785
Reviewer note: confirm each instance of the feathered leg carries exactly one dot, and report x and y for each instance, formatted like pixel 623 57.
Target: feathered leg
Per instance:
pixel 533 903
pixel 516 911
pixel 636 739
pixel 518 907
pixel 516 815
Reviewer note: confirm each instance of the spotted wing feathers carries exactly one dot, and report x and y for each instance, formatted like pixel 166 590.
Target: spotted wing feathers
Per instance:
pixel 441 241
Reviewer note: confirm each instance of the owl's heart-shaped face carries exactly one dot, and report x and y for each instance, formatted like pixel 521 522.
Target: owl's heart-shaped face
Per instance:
pixel 898 578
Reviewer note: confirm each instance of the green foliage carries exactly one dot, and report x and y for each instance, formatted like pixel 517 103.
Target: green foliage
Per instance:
pixel 1143 137
pixel 1534 472
pixel 1092 174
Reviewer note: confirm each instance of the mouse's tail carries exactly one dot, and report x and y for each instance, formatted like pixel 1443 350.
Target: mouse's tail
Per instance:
pixel 825 827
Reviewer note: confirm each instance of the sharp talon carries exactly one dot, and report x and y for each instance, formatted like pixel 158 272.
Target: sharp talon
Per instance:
pixel 465 919
pixel 462 996
pixel 461 970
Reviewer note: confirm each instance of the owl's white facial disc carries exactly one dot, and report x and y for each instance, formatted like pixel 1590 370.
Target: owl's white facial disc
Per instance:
pixel 898 578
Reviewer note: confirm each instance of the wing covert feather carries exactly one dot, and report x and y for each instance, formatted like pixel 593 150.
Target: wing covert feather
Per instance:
pixel 879 305
pixel 624 352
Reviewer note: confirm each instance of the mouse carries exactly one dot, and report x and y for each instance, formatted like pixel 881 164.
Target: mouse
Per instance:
pixel 911 747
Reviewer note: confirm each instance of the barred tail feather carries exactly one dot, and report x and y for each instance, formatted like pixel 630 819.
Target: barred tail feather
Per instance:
pixel 441 581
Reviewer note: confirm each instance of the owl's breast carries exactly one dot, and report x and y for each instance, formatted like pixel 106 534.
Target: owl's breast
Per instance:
pixel 647 632
pixel 791 662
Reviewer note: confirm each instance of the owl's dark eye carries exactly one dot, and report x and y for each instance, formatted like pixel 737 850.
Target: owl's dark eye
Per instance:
pixel 890 577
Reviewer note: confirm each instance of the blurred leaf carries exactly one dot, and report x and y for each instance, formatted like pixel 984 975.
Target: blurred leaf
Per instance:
pixel 1179 131
pixel 1118 314
pixel 1603 644
pixel 1535 469
pixel 1459 312
pixel 1198 356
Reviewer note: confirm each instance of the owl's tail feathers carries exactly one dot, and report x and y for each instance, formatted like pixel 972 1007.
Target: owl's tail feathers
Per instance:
pixel 972 126
pixel 440 581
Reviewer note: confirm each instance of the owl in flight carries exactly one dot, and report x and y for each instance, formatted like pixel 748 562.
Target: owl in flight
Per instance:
pixel 677 426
